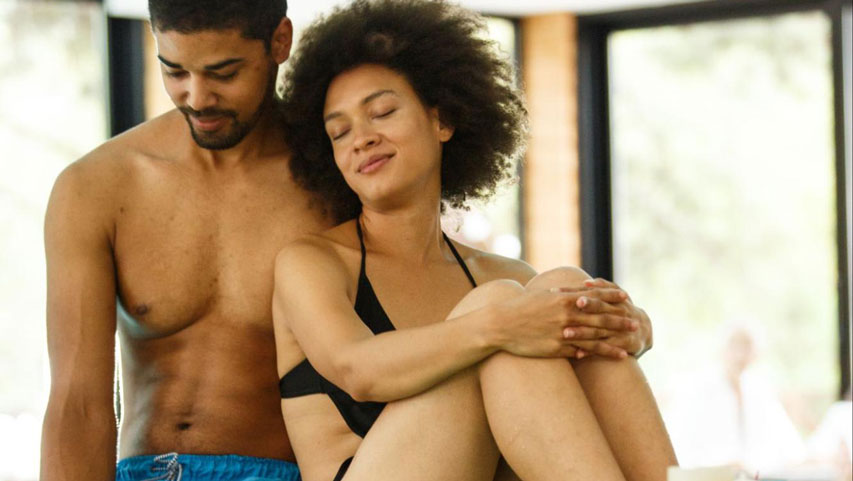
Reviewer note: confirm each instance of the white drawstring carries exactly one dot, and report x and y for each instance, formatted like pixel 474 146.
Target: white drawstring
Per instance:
pixel 173 469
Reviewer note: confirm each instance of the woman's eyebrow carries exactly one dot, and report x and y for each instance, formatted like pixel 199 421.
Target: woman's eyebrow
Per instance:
pixel 378 93
pixel 364 101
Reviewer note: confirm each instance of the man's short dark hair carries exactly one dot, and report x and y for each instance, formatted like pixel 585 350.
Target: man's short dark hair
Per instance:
pixel 256 19
pixel 441 50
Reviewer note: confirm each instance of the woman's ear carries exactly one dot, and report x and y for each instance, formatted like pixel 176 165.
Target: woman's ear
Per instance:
pixel 445 130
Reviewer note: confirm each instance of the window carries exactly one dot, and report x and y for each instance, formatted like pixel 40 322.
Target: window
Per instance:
pixel 725 221
pixel 51 112
pixel 493 226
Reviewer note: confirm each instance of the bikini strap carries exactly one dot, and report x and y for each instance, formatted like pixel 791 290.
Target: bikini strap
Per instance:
pixel 446 239
pixel 363 249
pixel 459 260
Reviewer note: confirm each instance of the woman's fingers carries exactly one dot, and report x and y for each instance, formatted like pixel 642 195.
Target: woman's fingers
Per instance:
pixel 588 303
pixel 544 323
pixel 612 322
pixel 604 283
pixel 596 313
pixel 593 309
pixel 606 294
pixel 599 348
pixel 583 333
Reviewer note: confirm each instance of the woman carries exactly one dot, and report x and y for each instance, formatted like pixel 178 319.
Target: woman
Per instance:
pixel 396 108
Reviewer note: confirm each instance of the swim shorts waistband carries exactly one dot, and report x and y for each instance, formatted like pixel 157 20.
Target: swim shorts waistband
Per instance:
pixel 192 467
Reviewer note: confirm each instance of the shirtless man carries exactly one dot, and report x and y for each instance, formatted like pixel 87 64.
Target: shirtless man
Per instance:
pixel 167 235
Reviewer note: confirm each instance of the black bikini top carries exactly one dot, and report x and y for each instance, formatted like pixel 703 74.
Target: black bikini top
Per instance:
pixel 303 379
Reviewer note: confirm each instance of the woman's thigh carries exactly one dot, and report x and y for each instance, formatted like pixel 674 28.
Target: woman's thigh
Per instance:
pixel 621 399
pixel 439 434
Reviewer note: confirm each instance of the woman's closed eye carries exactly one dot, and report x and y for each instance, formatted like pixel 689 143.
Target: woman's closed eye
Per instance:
pixel 385 113
pixel 338 134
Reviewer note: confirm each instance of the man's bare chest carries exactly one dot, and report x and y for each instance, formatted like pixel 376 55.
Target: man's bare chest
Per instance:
pixel 182 262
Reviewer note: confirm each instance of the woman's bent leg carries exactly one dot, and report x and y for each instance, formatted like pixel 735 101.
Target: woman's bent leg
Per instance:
pixel 537 411
pixel 542 422
pixel 627 412
pixel 439 434
pixel 622 401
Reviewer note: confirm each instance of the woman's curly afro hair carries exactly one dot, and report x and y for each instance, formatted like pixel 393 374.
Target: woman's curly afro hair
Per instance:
pixel 441 50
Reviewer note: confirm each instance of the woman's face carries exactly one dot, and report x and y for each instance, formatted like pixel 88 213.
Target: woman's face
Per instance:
pixel 386 142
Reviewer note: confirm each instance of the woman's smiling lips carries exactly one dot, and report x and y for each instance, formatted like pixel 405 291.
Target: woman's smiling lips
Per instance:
pixel 373 163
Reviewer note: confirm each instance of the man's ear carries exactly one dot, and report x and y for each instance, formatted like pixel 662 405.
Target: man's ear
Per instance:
pixel 282 40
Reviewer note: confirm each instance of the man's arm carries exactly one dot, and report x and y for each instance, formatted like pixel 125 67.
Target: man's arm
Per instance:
pixel 79 431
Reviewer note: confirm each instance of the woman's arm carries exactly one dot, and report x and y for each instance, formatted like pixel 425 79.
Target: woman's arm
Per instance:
pixel 312 299
pixel 605 323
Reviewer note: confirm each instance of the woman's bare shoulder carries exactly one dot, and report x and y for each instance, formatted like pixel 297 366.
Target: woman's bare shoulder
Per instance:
pixel 487 266
pixel 327 249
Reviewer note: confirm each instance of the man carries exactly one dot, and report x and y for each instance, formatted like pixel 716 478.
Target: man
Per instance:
pixel 167 235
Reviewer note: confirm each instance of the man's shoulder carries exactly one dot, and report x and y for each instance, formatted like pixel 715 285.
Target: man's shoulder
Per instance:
pixel 153 138
pixel 97 179
pixel 113 161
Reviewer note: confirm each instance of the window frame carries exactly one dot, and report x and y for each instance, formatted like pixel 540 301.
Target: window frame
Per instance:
pixel 594 127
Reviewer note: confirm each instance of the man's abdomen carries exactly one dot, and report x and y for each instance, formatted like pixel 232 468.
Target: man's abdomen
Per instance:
pixel 210 389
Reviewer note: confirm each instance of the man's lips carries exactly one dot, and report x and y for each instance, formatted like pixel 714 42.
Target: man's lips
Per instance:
pixel 373 163
pixel 208 123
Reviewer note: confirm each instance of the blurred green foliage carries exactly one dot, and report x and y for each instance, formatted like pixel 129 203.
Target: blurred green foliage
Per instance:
pixel 724 196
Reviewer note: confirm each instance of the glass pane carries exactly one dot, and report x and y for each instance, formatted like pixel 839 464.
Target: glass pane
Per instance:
pixel 52 111
pixel 724 226
pixel 493 226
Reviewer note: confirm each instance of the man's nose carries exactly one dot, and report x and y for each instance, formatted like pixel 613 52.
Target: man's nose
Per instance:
pixel 199 94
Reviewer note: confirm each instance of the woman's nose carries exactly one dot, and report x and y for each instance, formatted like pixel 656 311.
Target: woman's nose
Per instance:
pixel 365 137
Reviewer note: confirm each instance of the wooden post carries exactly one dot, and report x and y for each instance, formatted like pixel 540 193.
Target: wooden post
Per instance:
pixel 550 175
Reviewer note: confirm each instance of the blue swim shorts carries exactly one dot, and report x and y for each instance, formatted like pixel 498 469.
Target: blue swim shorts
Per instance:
pixel 192 467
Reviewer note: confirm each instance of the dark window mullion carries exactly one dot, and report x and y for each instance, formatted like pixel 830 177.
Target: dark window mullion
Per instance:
pixel 840 14
pixel 125 45
pixel 594 150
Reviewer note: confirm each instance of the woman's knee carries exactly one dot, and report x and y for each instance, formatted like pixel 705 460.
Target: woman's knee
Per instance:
pixel 504 365
pixel 592 368
pixel 485 294
pixel 566 276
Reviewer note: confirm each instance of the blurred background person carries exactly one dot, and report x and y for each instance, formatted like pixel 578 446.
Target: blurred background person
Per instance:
pixel 731 415
pixel 830 444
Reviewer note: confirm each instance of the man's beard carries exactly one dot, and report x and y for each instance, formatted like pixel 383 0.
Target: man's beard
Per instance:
pixel 230 135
